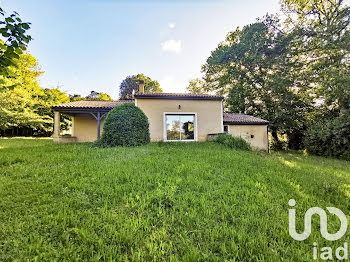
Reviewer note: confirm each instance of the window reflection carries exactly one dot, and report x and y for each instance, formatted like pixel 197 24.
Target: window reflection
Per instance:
pixel 180 127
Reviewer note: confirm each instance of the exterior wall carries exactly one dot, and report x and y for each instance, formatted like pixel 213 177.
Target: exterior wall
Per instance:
pixel 85 128
pixel 209 115
pixel 64 139
pixel 245 131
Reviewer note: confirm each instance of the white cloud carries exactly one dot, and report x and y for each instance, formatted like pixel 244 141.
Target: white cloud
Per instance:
pixel 171 25
pixel 171 85
pixel 172 45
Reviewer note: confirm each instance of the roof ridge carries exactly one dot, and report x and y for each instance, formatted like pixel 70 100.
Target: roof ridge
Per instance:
pixel 237 118
pixel 179 96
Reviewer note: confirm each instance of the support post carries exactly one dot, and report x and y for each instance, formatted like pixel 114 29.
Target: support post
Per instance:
pixel 98 124
pixel 73 125
pixel 56 127
pixel 98 117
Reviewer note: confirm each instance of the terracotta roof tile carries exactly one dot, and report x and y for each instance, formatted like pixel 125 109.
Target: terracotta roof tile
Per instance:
pixel 179 96
pixel 241 119
pixel 91 104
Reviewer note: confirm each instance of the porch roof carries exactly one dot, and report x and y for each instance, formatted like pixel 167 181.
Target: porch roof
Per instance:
pixel 89 105
pixel 242 119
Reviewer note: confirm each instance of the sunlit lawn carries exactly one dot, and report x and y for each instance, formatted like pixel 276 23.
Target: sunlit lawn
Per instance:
pixel 183 202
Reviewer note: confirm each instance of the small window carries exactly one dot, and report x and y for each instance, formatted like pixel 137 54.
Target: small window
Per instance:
pixel 226 129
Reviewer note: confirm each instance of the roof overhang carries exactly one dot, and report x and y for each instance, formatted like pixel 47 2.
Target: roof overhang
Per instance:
pixel 178 97
pixel 77 110
pixel 246 123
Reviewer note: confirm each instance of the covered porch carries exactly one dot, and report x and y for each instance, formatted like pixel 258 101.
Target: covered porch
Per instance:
pixel 87 119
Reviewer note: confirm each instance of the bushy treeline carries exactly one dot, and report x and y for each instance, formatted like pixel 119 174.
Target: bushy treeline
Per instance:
pixel 330 137
pixel 25 107
pixel 291 69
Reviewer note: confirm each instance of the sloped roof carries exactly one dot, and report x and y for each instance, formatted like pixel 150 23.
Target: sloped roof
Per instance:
pixel 182 96
pixel 91 104
pixel 242 119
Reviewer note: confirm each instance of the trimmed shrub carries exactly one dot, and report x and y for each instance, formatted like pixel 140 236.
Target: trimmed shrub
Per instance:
pixel 125 125
pixel 329 137
pixel 233 142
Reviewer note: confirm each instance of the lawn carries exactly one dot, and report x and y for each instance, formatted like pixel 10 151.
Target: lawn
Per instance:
pixel 172 202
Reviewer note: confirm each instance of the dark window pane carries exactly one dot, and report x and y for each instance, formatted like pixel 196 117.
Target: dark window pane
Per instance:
pixel 187 124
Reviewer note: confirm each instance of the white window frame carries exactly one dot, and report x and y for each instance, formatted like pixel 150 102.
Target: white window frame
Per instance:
pixel 195 130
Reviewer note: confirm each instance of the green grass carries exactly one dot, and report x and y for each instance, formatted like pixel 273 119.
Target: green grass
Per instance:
pixel 172 202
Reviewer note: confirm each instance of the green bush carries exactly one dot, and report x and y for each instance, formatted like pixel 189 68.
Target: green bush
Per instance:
pixel 329 137
pixel 125 125
pixel 233 142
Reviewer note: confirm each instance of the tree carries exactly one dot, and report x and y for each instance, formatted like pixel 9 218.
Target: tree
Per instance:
pixel 76 97
pixel 98 96
pixel 290 71
pixel 131 84
pixel 14 42
pixel 104 96
pixel 329 137
pixel 196 86
pixel 26 109
pixel 92 96
pixel 50 98
pixel 17 104
pixel 254 67
pixel 324 47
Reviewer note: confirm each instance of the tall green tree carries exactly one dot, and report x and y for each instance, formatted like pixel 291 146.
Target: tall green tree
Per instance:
pixel 14 42
pixel 17 104
pixel 325 50
pixel 28 106
pixel 50 98
pixel 254 67
pixel 324 47
pixel 288 71
pixel 131 84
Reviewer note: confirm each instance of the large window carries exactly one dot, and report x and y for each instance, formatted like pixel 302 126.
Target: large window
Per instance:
pixel 180 127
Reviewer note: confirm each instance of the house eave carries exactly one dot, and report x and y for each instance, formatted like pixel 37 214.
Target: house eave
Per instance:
pixel 247 123
pixel 77 110
pixel 177 97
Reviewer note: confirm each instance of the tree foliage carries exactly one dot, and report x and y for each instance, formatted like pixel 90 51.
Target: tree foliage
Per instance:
pixel 286 70
pixel 28 105
pixel 131 84
pixel 252 67
pixel 92 96
pixel 99 96
pixel 14 42
pixel 329 137
pixel 196 86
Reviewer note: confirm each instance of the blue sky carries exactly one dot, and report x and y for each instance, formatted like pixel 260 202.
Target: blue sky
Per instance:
pixel 93 45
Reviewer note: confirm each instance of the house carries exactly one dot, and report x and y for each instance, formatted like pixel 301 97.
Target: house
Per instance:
pixel 172 117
